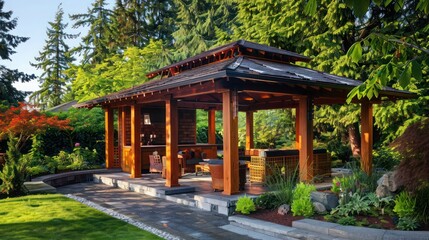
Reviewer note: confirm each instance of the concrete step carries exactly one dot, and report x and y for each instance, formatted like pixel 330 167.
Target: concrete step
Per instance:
pixel 249 233
pixel 39 187
pixel 276 230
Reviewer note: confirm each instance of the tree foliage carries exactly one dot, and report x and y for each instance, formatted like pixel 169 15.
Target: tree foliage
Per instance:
pixel 8 43
pixel 54 59
pixel 23 122
pixel 119 71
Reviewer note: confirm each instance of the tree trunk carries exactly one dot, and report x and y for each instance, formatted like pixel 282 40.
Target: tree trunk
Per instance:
pixel 354 139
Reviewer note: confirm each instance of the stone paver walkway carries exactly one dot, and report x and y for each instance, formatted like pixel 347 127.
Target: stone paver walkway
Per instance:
pixel 182 221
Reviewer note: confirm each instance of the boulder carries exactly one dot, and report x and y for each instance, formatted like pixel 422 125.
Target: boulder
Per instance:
pixel 329 200
pixel 388 180
pixel 283 209
pixel 319 208
pixel 382 191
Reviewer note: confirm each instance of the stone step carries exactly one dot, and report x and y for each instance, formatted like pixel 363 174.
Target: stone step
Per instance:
pixel 353 232
pixel 39 187
pixel 249 232
pixel 276 230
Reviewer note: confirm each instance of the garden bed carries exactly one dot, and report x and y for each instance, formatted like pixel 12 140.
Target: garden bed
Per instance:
pixel 383 222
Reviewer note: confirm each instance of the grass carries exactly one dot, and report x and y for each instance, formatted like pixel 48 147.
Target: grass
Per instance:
pixel 54 216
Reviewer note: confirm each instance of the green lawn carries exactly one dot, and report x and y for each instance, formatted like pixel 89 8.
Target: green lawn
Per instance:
pixel 54 216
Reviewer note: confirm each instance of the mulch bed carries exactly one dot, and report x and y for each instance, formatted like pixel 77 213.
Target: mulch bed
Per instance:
pixel 384 222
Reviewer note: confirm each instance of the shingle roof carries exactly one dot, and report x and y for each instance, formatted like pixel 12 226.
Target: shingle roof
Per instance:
pixel 248 68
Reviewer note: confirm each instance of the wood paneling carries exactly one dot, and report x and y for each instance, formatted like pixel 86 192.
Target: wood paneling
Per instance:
pixel 249 130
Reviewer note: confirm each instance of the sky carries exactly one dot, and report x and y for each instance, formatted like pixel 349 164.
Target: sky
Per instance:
pixel 33 17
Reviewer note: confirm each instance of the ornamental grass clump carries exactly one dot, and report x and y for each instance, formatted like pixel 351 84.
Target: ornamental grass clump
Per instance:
pixel 245 205
pixel 301 204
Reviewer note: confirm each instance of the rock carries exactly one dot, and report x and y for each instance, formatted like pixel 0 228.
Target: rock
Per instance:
pixel 283 209
pixel 329 200
pixel 319 207
pixel 382 191
pixel 388 180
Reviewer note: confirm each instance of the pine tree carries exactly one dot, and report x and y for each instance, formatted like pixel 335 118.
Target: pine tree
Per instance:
pixel 135 22
pixel 8 42
pixel 53 60
pixel 201 25
pixel 96 45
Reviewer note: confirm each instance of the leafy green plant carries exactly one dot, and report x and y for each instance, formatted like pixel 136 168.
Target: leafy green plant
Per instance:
pixel 14 171
pixel 358 204
pixel 407 224
pixel 301 204
pixel 245 205
pixel 348 220
pixel 385 158
pixel 281 183
pixel 422 202
pixel 404 205
pixel 379 204
pixel 266 201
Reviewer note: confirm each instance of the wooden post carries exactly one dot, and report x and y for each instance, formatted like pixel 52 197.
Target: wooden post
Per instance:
pixel 109 130
pixel 230 142
pixel 136 166
pixel 366 137
pixel 212 126
pixel 249 130
pixel 171 140
pixel 121 133
pixel 297 128
pixel 305 146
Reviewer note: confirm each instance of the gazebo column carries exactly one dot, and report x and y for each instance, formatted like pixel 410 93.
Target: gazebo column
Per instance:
pixel 212 126
pixel 109 130
pixel 366 137
pixel 230 142
pixel 305 138
pixel 136 165
pixel 249 130
pixel 297 127
pixel 171 141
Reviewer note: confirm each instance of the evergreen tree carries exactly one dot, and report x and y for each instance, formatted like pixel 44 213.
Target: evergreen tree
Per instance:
pixel 53 60
pixel 201 25
pixel 8 42
pixel 96 45
pixel 135 22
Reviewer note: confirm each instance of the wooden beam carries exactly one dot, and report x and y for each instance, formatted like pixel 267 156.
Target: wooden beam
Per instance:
pixel 249 130
pixel 366 137
pixel 305 146
pixel 172 141
pixel 109 130
pixel 297 127
pixel 230 142
pixel 136 165
pixel 212 126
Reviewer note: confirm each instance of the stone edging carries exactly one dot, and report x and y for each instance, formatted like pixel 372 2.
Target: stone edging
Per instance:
pixel 124 218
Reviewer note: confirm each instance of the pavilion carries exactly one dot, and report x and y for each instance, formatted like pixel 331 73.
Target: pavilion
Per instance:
pixel 240 76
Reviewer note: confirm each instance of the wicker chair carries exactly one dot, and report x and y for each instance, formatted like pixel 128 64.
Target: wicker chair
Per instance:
pixel 155 164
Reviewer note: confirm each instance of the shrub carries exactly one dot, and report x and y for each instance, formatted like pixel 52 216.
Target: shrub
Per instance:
pixel 245 205
pixel 281 183
pixel 422 203
pixel 385 158
pixel 407 223
pixel 301 204
pixel 266 201
pixel 14 171
pixel 347 221
pixel 404 205
pixel 357 204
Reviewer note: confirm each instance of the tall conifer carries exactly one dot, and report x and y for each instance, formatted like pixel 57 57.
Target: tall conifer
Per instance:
pixel 53 60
